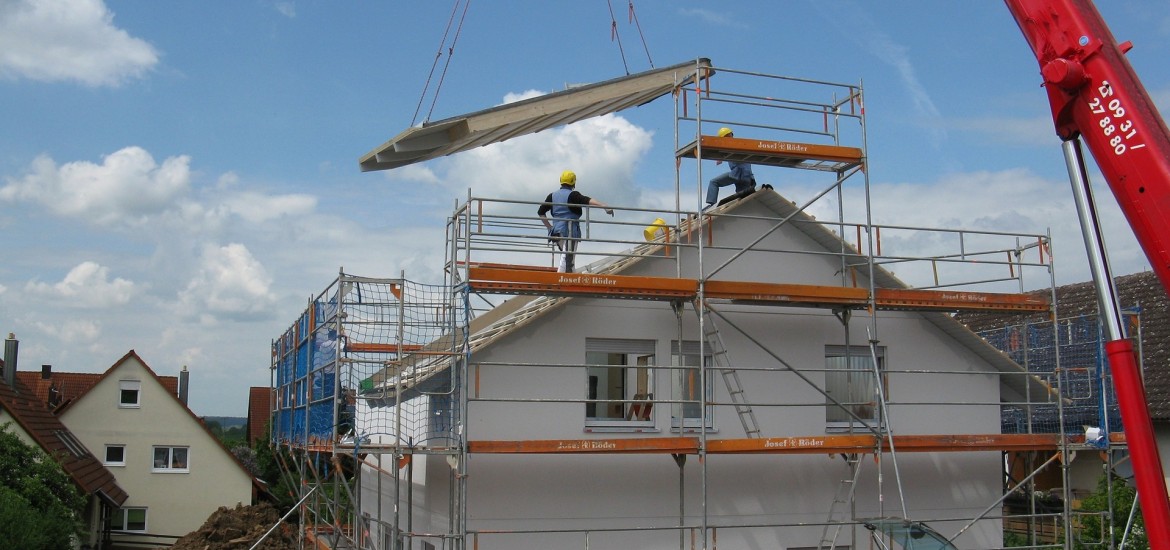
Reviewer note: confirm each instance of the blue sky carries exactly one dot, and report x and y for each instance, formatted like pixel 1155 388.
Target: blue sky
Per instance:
pixel 178 178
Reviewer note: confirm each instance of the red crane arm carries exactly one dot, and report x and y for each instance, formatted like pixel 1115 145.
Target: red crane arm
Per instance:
pixel 1095 94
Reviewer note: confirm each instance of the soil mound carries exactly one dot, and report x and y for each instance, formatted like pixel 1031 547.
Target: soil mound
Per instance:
pixel 239 528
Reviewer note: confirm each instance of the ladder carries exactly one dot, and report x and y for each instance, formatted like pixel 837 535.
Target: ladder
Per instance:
pixel 722 361
pixel 841 500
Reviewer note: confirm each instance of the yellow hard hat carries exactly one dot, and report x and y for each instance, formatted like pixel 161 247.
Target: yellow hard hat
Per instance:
pixel 724 131
pixel 568 178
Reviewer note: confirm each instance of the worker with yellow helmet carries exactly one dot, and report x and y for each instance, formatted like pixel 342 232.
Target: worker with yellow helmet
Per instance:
pixel 564 230
pixel 739 174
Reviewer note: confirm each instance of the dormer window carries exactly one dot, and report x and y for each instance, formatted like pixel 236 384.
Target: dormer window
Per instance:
pixel 129 394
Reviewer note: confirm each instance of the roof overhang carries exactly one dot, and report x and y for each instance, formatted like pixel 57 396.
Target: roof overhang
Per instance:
pixel 461 133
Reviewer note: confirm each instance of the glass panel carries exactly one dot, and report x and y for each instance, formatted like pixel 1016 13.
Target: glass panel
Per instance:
pixel 129 397
pixel 115 454
pixel 621 393
pixel 179 458
pixel 161 456
pixel 136 519
pixel 850 381
pixel 911 535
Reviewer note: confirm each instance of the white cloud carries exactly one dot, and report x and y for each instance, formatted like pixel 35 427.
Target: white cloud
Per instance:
pixel 86 285
pixel 287 9
pixel 126 188
pixel 73 331
pixel 63 40
pixel 258 208
pixel 712 17
pixel 230 283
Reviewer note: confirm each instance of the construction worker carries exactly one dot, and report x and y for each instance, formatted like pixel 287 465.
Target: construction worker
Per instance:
pixel 564 230
pixel 740 174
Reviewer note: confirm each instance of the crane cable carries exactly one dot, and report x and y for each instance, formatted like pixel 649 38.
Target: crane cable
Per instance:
pixel 634 19
pixel 615 35
pixel 438 54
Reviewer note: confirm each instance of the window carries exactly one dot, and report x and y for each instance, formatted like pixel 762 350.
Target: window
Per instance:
pixel 128 519
pixel 115 455
pixel 849 379
pixel 170 459
pixel 128 394
pixel 685 386
pixel 620 382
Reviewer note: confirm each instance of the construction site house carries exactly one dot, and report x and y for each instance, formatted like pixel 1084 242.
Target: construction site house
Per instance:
pixel 745 376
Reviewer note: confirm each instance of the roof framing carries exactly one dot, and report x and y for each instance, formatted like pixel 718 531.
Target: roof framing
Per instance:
pixel 461 133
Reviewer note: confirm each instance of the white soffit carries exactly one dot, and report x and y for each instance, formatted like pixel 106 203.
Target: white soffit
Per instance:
pixel 461 133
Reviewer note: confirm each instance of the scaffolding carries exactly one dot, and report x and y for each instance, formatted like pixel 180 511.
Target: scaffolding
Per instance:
pixel 380 377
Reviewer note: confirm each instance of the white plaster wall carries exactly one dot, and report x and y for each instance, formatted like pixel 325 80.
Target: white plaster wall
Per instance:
pixel 177 503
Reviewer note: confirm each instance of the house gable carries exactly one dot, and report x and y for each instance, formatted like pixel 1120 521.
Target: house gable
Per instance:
pixel 166 449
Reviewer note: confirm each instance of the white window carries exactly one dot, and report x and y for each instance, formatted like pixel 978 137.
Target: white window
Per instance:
pixel 115 455
pixel 685 386
pixel 128 519
pixel 129 393
pixel 170 459
pixel 619 382
pixel 850 380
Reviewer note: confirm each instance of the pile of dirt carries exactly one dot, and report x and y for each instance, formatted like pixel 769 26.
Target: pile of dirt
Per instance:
pixel 240 528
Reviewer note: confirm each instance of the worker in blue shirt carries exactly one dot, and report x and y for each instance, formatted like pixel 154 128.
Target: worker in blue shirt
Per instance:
pixel 564 229
pixel 740 174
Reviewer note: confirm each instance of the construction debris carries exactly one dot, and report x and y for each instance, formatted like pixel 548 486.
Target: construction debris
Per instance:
pixel 239 529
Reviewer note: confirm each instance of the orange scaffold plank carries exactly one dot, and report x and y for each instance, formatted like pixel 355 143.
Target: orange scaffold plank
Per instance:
pixel 514 281
pixel 951 300
pixel 814 444
pixel 686 445
pixel 774 153
pixel 523 281
pixel 793 294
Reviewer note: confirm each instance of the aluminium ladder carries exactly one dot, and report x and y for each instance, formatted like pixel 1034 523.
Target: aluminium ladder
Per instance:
pixel 722 361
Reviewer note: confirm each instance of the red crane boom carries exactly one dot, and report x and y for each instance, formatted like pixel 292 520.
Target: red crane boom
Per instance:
pixel 1096 97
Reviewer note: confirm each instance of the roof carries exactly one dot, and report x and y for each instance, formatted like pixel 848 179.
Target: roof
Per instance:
pixel 521 310
pixel 453 135
pixel 174 395
pixel 1138 290
pixel 259 412
pixel 55 439
pixel 71 385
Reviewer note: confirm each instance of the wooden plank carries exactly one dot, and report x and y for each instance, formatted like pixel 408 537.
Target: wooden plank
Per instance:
pixel 767 152
pixel 686 445
pixel 513 281
pixel 814 444
pixel 793 294
pixel 953 300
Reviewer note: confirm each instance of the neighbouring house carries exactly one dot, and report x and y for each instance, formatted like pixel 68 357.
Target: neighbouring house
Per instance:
pixel 1146 312
pixel 259 413
pixel 26 415
pixel 176 471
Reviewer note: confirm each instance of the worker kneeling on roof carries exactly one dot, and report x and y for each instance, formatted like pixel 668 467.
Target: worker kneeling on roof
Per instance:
pixel 740 174
pixel 565 204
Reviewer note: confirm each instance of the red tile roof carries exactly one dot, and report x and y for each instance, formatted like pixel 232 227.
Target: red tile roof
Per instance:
pixel 72 385
pixel 259 412
pixel 83 467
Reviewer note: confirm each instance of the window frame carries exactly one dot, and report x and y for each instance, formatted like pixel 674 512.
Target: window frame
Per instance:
pixel 123 514
pixel 125 386
pixel 171 459
pixel 106 457
pixel 859 355
pixel 688 354
pixel 638 355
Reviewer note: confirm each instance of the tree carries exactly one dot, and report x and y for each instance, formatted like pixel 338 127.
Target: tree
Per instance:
pixel 1093 526
pixel 40 507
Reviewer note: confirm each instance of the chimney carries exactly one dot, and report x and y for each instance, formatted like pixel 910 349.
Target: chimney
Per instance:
pixel 46 372
pixel 11 345
pixel 184 381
